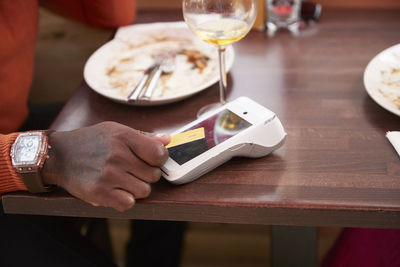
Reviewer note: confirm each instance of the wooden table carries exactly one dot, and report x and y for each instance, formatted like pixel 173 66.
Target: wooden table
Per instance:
pixel 336 168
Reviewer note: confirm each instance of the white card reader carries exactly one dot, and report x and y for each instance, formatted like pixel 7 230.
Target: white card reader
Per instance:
pixel 239 128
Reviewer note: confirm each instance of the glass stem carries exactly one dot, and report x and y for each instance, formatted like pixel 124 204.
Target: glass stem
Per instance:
pixel 222 74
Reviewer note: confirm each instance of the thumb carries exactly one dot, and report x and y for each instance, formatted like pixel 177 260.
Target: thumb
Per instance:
pixel 164 138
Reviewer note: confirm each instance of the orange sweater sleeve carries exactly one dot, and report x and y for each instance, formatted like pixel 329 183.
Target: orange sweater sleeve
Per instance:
pixel 100 13
pixel 9 178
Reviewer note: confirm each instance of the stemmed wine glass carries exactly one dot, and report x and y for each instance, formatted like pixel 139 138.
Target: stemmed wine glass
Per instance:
pixel 219 22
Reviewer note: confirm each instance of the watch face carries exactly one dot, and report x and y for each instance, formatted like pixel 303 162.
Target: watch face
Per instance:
pixel 26 149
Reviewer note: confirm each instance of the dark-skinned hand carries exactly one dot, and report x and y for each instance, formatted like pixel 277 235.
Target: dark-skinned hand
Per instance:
pixel 107 164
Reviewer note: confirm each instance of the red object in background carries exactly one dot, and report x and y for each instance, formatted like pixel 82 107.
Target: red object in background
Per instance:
pixel 283 9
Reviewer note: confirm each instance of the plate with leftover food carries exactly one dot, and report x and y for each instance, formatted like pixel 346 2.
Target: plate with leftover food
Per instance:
pixel 117 67
pixel 382 79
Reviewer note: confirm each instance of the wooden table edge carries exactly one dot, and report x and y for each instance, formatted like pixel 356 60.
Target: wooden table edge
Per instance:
pixel 25 203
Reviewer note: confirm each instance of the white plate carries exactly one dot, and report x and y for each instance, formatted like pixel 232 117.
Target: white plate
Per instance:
pixel 382 79
pixel 116 67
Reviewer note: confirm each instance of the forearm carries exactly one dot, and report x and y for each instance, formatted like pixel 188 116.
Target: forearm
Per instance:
pixel 99 13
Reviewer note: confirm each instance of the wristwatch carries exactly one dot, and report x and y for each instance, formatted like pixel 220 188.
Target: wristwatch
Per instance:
pixel 28 154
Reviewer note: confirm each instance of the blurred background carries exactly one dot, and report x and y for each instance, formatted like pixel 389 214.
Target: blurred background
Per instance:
pixel 62 49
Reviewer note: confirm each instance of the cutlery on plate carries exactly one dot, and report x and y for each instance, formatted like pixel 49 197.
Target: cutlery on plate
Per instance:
pixel 166 66
pixel 139 89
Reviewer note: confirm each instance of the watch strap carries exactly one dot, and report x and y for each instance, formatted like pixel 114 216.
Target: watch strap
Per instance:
pixel 34 183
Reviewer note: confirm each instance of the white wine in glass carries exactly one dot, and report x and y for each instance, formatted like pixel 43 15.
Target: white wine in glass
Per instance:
pixel 219 22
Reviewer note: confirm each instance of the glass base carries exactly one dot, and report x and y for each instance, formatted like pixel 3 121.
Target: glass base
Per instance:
pixel 293 28
pixel 208 108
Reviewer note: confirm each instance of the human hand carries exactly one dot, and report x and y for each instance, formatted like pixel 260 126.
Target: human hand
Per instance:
pixel 107 164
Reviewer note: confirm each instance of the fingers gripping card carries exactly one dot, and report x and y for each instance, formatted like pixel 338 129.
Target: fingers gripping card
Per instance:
pixel 187 145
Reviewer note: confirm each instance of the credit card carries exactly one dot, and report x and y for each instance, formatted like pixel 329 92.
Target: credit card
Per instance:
pixel 186 137
pixel 187 145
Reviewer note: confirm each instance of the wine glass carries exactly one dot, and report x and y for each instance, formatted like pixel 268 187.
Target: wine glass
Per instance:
pixel 219 22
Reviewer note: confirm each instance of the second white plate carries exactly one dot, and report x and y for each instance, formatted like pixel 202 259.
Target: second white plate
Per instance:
pixel 382 79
